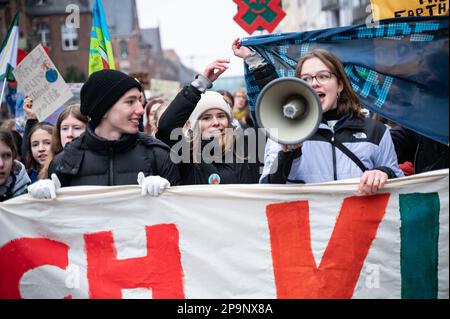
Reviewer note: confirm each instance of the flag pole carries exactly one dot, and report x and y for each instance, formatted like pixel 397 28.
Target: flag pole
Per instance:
pixel 3 91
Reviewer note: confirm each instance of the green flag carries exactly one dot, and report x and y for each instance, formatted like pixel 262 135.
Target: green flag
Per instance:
pixel 8 56
pixel 101 54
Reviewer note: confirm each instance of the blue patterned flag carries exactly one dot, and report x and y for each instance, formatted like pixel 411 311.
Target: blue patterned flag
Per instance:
pixel 399 68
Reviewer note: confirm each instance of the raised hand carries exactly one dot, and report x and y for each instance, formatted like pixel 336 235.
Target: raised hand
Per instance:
pixel 239 50
pixel 28 108
pixel 215 69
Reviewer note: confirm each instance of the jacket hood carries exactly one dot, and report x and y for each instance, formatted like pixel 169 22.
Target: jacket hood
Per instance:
pixel 22 178
pixel 21 183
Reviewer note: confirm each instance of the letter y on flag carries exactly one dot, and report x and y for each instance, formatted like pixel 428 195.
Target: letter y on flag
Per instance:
pixel 101 54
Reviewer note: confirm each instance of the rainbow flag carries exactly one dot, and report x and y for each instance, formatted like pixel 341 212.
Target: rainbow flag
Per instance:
pixel 101 54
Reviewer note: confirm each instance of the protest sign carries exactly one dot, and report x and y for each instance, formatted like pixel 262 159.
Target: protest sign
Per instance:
pixel 41 81
pixel 167 89
pixel 230 241
pixel 385 9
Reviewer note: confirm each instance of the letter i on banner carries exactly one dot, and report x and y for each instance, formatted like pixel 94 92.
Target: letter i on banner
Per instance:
pixel 419 248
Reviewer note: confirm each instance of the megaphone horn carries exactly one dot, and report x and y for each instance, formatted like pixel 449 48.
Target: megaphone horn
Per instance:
pixel 289 110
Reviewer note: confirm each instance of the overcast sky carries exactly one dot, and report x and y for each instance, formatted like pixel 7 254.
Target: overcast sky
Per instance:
pixel 198 30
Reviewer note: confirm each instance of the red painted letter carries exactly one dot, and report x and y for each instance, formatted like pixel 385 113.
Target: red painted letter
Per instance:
pixel 160 270
pixel 296 273
pixel 22 255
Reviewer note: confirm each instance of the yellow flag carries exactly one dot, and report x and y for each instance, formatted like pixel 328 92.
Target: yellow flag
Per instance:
pixel 384 9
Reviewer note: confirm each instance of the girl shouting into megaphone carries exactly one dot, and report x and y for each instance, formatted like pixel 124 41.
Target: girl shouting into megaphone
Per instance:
pixel 346 144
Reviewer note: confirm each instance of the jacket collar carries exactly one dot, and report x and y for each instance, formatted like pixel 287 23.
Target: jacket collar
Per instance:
pixel 103 146
pixel 345 122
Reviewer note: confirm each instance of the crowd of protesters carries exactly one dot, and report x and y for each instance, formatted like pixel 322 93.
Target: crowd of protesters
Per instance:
pixel 116 137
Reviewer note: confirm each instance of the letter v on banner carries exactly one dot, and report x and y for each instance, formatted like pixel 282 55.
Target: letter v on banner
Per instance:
pixel 296 273
pixel 159 271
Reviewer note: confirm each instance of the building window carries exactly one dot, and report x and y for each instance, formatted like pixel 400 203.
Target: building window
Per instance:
pixel 334 18
pixel 69 38
pixel 123 49
pixel 43 33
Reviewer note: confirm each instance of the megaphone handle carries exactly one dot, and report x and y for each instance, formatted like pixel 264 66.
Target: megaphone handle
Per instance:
pixel 290 147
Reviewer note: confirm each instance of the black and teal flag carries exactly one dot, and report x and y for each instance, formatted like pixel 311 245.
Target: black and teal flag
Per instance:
pixel 399 68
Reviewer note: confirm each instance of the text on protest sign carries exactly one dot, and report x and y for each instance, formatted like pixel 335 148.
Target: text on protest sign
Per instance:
pixel 385 9
pixel 41 81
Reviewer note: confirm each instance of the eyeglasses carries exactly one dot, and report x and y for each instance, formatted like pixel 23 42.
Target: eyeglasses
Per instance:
pixel 322 77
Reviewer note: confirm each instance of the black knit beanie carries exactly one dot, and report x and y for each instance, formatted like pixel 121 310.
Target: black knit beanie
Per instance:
pixel 102 90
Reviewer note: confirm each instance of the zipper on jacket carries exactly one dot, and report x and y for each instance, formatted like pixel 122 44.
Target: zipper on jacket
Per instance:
pixel 334 157
pixel 111 166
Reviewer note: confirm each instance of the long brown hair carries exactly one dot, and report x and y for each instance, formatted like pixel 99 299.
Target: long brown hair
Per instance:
pixel 7 138
pixel 348 102
pixel 31 163
pixel 74 110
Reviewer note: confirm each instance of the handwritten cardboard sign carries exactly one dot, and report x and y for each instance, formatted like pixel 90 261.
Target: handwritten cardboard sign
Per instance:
pixel 40 80
pixel 167 89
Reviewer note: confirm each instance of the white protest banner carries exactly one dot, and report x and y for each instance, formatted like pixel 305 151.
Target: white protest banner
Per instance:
pixel 41 81
pixel 168 89
pixel 230 241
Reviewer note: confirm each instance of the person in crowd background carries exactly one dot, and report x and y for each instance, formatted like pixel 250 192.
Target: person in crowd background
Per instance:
pixel 10 125
pixel 241 110
pixel 69 125
pixel 153 110
pixel 13 176
pixel 30 122
pixel 425 154
pixel 228 97
pixel 347 145
pixel 207 119
pixel 407 167
pixel 39 150
pixel 111 151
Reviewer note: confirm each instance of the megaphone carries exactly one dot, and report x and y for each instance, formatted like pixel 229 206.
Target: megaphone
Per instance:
pixel 289 110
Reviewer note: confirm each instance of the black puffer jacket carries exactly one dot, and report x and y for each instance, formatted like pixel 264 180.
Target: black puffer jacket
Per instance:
pixel 425 154
pixel 92 160
pixel 242 170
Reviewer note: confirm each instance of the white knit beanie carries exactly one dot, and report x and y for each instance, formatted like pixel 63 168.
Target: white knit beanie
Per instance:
pixel 209 100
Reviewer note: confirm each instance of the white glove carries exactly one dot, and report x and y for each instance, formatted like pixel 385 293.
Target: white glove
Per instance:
pixel 153 185
pixel 45 188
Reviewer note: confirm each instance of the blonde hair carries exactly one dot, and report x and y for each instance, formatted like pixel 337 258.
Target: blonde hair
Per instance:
pixel 244 115
pixel 9 124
